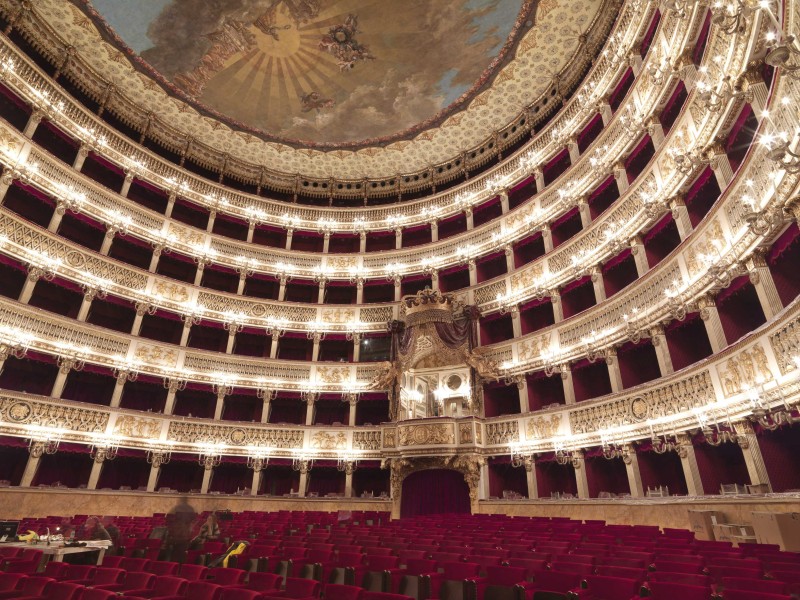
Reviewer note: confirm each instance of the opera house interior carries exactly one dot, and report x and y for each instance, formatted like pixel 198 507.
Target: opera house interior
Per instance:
pixel 459 300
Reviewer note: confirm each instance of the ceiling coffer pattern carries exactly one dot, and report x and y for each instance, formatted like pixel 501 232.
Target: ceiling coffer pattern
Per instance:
pixel 549 61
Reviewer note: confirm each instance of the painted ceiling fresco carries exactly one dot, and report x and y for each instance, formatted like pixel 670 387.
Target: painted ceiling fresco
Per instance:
pixel 324 70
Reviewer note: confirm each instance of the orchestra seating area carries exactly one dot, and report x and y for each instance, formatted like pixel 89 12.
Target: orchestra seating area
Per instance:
pixel 364 556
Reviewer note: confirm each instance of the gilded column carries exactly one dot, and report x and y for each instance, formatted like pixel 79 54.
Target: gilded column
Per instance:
pixel 614 373
pixel 680 214
pixel 631 460
pixel 691 472
pixel 579 464
pixel 710 316
pixel 639 254
pixel 530 477
pixel 761 278
pixel 566 381
pixel 659 341
pixel 598 285
pixel 747 440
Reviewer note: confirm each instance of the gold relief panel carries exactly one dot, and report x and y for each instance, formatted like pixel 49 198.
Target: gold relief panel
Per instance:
pixel 333 374
pixel 171 291
pixel 7 140
pixel 390 438
pixel 185 236
pixel 155 355
pixel 342 263
pixel 137 427
pixel 744 370
pixel 786 345
pixel 329 441
pixel 712 246
pixel 526 278
pixel 542 427
pixel 430 434
pixel 534 348
pixel 478 433
pixel 339 315
pixel 465 433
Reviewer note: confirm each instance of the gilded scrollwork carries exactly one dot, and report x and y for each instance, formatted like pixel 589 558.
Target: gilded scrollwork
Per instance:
pixel 390 437
pixel 78 419
pixel 502 432
pixel 465 433
pixel 367 440
pixel 192 432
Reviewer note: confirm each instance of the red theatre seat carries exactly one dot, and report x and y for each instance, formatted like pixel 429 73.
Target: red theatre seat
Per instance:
pixel 661 590
pixel 335 591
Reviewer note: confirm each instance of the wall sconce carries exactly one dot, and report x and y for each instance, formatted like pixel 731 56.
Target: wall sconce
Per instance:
pixel 104 448
pixel 276 326
pixel 661 444
pixel 675 303
pixel 44 266
pixel 69 200
pixel 715 98
pixel 634 326
pixel 732 16
pixel 258 458
pixel 394 271
pixel 358 275
pixel 347 462
pixel 326 225
pixel 158 455
pixel 234 322
pixel 782 55
pixel 210 456
pixel 71 357
pixel 13 342
pixel 613 449
pixel 316 331
pixel 322 275
pixel 193 314
pixel 760 221
pixel 591 344
pixel 43 440
pixel 521 456
pixel 779 150
pixel 247 266
pixel 353 332
pixel 303 462
pixel 285 272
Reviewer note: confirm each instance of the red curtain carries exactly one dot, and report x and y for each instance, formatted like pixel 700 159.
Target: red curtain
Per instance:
pixel 434 491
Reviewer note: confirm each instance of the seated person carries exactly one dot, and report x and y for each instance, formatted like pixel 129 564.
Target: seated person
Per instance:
pixel 209 532
pixel 92 530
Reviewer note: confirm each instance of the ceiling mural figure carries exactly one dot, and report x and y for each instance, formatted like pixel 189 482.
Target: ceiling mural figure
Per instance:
pixel 340 41
pixel 325 71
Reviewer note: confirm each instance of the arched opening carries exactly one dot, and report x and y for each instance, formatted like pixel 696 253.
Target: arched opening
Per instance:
pixel 434 491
